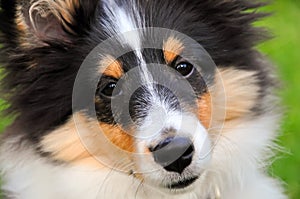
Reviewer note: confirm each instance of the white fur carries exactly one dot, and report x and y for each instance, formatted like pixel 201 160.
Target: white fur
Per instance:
pixel 127 26
pixel 121 21
pixel 235 169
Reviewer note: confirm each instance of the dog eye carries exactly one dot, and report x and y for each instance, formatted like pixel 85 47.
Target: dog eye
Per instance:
pixel 185 69
pixel 108 90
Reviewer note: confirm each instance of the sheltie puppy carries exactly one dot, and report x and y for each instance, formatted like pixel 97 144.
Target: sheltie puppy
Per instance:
pixel 118 99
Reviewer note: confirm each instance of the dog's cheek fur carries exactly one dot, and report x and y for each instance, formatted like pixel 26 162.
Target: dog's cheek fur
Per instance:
pixel 66 145
pixel 82 140
pixel 205 109
pixel 235 94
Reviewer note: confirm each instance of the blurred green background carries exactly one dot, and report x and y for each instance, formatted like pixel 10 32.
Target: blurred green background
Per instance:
pixel 284 51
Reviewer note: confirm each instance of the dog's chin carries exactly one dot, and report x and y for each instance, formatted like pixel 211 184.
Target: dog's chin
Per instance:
pixel 177 186
pixel 182 184
pixel 180 187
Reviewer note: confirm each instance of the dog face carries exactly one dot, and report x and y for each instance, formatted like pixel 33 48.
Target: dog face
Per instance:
pixel 155 90
pixel 144 87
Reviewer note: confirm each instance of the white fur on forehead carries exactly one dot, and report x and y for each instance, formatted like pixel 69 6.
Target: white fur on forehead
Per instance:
pixel 121 20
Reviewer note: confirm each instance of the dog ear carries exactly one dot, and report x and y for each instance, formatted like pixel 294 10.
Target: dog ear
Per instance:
pixel 61 20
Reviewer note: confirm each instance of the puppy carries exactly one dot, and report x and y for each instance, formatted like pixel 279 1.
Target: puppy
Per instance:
pixel 136 99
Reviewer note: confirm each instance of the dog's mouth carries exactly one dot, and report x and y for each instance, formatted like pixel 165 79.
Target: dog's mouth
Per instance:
pixel 182 183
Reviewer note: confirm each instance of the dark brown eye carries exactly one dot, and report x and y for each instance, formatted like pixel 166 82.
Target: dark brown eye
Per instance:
pixel 108 90
pixel 185 69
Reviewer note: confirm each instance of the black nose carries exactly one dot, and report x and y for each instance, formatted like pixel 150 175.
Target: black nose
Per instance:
pixel 174 154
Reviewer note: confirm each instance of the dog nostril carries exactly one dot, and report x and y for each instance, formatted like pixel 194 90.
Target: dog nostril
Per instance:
pixel 189 151
pixel 174 154
pixel 161 145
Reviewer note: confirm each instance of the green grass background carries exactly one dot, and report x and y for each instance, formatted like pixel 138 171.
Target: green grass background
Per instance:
pixel 284 51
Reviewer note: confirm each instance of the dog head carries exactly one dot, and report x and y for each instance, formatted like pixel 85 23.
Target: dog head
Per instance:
pixel 148 88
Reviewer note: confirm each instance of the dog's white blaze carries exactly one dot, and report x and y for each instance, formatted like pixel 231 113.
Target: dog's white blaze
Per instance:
pixel 128 27
pixel 146 75
pixel 131 35
pixel 125 24
pixel 120 22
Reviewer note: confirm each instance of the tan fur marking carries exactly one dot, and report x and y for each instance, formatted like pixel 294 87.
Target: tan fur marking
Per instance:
pixel 22 27
pixel 241 92
pixel 118 137
pixel 67 8
pixel 110 67
pixel 139 176
pixel 20 22
pixel 65 144
pixel 172 48
pixel 204 109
